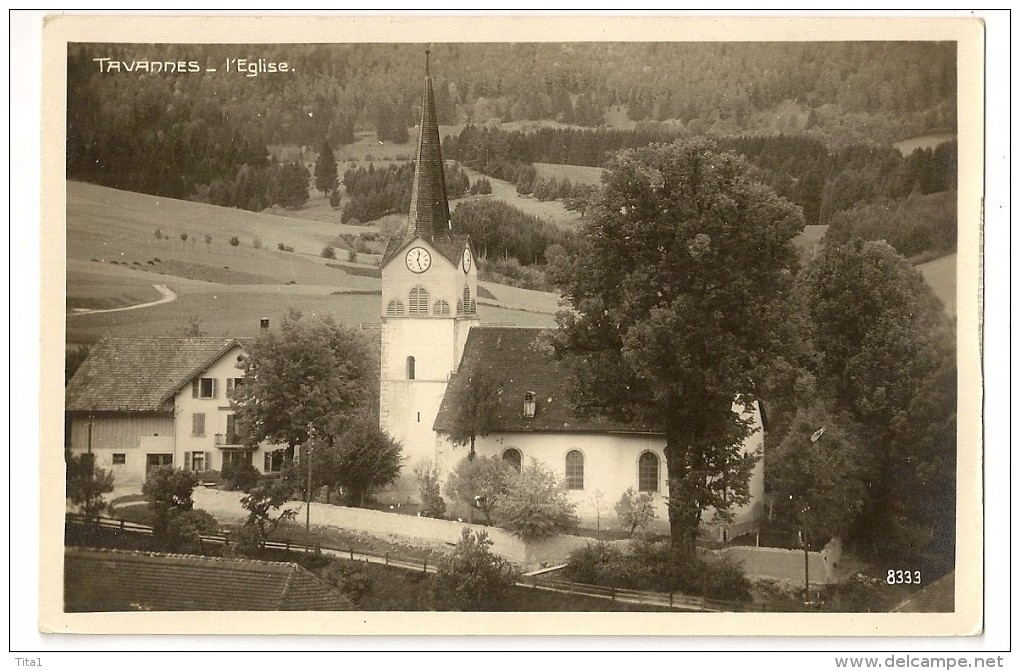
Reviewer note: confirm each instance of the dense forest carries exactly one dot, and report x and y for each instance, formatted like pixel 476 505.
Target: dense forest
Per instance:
pixel 376 192
pixel 204 127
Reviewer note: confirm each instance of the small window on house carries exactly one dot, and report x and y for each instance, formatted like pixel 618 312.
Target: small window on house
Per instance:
pixel 441 308
pixel 529 404
pixel 203 387
pixel 418 301
pixel 233 383
pixel 198 423
pixel 574 470
pixel 512 456
pixel 236 457
pixel 194 461
pixel 648 472
pixel 394 308
pixel 410 368
pixel 119 458
pixel 274 461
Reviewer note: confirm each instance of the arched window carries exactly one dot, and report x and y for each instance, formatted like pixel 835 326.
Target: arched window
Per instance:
pixel 418 301
pixel 512 456
pixel 574 470
pixel 441 308
pixel 465 305
pixel 648 472
pixel 410 368
pixel 395 308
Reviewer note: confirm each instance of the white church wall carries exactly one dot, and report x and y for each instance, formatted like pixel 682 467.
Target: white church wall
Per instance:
pixel 610 468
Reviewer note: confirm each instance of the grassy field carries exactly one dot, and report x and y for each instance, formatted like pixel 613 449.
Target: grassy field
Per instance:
pixel 114 259
pixel 908 146
pixel 941 276
pixel 551 210
pixel 577 174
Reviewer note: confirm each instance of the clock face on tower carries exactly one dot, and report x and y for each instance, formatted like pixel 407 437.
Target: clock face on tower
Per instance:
pixel 418 259
pixel 465 261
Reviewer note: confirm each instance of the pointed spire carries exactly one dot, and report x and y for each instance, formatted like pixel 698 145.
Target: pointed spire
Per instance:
pixel 430 212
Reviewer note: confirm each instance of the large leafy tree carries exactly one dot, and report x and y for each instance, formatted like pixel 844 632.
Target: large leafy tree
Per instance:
pixel 885 356
pixel 476 407
pixel 816 474
pixel 535 504
pixel 310 374
pixel 361 458
pixel 680 306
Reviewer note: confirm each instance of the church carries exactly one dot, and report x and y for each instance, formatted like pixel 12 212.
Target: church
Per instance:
pixel 433 341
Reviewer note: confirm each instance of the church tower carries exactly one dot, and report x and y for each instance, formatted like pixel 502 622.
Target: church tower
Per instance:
pixel 429 293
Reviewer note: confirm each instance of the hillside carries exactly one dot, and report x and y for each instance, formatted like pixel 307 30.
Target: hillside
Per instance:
pixel 114 259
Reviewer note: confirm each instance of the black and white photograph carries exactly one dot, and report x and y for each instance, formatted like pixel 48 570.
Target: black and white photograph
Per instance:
pixel 677 332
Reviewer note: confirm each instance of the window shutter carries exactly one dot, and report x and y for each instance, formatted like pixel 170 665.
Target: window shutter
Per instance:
pixel 194 388
pixel 230 385
pixel 187 461
pixel 208 461
pixel 268 462
pixel 214 387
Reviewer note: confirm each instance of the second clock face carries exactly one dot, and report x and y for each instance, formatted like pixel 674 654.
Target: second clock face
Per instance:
pixel 418 259
pixel 465 261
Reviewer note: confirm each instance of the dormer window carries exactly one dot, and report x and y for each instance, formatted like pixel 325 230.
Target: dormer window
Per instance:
pixel 529 404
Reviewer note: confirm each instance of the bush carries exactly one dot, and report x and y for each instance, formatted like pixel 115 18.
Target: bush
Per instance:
pixel 284 248
pixel 185 528
pixel 328 252
pixel 352 256
pixel 655 567
pixel 334 199
pixel 432 503
pixel 208 476
pixel 168 491
pixel 240 476
pixel 634 510
pixel 535 504
pixel 472 578
pixel 476 483
pixel 353 582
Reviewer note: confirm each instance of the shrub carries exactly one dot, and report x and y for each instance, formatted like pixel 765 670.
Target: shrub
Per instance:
pixel 328 252
pixel 209 476
pixel 634 510
pixel 284 248
pixel 655 567
pixel 352 256
pixel 353 582
pixel 535 504
pixel 334 199
pixel 432 503
pixel 185 528
pixel 168 491
pixel 240 476
pixel 472 578
pixel 477 483
pixel 86 485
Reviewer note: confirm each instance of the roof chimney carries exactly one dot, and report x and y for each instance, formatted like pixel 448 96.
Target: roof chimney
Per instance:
pixel 264 325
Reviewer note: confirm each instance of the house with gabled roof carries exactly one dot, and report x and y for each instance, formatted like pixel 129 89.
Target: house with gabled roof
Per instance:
pixel 104 580
pixel 140 403
pixel 433 342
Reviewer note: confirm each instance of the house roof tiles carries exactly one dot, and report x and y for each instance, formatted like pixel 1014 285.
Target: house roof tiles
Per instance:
pixel 119 580
pixel 140 374
pixel 524 361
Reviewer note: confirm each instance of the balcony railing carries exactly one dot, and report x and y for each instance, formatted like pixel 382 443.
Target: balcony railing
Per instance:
pixel 227 440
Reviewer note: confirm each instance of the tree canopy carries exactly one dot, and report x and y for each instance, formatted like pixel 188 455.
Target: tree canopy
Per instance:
pixel 325 170
pixel 362 457
pixel 679 300
pixel 476 407
pixel 311 373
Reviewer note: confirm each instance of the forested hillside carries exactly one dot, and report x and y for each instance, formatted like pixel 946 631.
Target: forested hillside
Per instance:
pixel 193 131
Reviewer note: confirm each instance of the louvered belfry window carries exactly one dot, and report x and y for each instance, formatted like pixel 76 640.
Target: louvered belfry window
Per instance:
pixel 395 308
pixel 418 301
pixel 441 308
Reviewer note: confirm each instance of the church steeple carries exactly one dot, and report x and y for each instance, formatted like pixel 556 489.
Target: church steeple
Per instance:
pixel 430 213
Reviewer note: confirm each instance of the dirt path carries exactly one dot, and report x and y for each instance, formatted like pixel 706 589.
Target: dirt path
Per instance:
pixel 166 296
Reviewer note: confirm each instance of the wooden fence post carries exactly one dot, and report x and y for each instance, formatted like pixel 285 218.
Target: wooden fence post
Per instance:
pixel 670 599
pixel 387 557
pixel 351 550
pixel 425 566
pixel 612 594
pixel 122 525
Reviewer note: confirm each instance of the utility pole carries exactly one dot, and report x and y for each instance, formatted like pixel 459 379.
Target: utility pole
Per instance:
pixel 308 493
